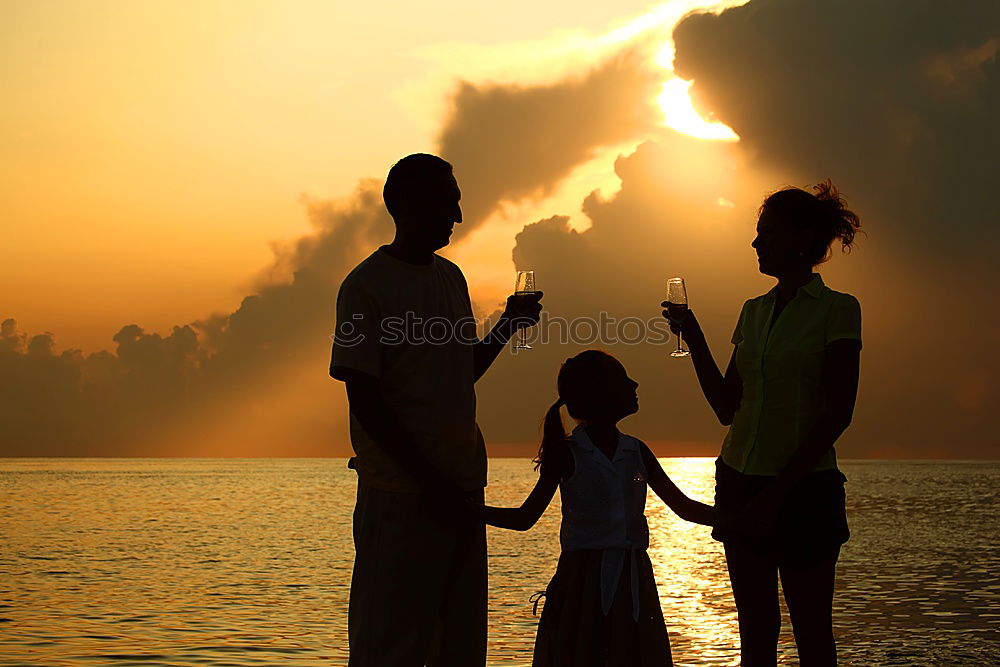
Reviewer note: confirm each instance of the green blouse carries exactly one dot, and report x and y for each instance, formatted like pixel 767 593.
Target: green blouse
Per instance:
pixel 781 367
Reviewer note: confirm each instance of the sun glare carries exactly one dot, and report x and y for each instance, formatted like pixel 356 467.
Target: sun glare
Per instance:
pixel 679 113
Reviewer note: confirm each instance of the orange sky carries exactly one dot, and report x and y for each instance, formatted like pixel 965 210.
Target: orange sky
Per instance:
pixel 157 154
pixel 154 150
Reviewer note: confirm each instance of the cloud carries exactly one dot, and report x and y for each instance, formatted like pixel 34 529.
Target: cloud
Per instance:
pixel 665 221
pixel 927 382
pixel 903 94
pixel 255 379
pixel 897 103
pixel 894 101
pixel 154 390
pixel 509 142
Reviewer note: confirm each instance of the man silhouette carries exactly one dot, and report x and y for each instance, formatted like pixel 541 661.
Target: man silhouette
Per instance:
pixel 407 349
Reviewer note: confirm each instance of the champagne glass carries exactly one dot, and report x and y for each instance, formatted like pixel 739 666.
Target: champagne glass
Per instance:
pixel 524 286
pixel 677 305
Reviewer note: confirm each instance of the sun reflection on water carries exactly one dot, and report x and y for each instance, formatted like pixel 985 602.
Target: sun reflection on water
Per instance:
pixel 191 562
pixel 691 573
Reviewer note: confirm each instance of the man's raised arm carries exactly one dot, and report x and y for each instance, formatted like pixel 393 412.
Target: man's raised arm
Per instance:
pixel 521 311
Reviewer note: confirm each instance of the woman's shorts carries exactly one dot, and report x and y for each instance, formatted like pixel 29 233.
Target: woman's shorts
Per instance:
pixel 812 521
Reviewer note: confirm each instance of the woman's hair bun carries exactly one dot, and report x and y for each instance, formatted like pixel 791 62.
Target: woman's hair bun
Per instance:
pixel 825 213
pixel 842 222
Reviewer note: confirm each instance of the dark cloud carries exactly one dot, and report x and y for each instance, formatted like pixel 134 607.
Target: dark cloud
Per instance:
pixel 510 142
pixel 153 388
pixel 896 102
pixel 665 221
pixel 177 393
pixel 898 99
pixel 929 377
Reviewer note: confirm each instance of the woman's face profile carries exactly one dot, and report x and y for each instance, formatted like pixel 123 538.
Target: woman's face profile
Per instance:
pixel 781 247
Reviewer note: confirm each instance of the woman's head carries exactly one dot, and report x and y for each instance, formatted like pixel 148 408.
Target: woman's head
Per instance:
pixel 796 229
pixel 594 386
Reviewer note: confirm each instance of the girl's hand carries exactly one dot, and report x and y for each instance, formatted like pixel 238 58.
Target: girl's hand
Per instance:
pixel 706 515
pixel 449 505
pixel 475 511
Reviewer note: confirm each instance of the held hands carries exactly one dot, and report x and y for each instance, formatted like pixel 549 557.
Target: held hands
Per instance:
pixel 450 504
pixel 523 310
pixel 758 518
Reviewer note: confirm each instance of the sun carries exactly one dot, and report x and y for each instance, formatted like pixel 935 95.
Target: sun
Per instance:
pixel 675 97
pixel 679 113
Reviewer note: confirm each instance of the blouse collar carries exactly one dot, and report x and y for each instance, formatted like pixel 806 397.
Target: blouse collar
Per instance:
pixel 624 444
pixel 813 288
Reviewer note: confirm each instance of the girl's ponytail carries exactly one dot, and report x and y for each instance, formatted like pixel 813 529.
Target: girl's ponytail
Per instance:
pixel 553 433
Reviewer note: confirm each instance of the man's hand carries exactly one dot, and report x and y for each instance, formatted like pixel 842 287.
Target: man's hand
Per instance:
pixel 451 505
pixel 523 310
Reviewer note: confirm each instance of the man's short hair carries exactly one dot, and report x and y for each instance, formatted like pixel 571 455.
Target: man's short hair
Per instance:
pixel 409 179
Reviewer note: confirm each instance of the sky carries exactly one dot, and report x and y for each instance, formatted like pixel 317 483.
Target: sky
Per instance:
pixel 186 184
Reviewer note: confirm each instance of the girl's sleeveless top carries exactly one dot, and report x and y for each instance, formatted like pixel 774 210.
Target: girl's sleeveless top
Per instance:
pixel 602 508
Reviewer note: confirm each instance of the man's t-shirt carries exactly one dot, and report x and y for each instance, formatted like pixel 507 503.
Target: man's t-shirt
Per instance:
pixel 411 326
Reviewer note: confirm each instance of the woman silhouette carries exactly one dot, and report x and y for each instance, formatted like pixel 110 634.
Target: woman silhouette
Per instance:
pixel 787 395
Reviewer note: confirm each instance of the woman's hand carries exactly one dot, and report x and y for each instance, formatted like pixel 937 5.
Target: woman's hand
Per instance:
pixel 686 325
pixel 723 391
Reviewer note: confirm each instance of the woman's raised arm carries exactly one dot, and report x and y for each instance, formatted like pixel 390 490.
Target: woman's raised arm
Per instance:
pixel 724 392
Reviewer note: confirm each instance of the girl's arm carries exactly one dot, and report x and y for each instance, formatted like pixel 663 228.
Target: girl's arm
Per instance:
pixel 686 508
pixel 527 515
pixel 724 392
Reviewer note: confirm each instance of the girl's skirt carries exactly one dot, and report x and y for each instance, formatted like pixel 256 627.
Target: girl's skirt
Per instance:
pixel 573 631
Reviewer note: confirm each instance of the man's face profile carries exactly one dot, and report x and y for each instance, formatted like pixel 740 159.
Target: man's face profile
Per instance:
pixel 438 211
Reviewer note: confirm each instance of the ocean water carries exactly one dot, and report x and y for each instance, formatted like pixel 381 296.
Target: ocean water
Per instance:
pixel 246 562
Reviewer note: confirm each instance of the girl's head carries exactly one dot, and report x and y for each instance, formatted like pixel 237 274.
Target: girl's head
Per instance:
pixel 594 387
pixel 796 229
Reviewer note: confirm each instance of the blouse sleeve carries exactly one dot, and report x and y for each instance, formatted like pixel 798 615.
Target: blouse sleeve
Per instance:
pixel 845 320
pixel 738 333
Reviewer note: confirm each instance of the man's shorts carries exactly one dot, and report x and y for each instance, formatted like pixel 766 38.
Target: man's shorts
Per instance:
pixel 419 588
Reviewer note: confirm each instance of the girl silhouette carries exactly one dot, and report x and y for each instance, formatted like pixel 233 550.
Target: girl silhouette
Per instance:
pixel 601 606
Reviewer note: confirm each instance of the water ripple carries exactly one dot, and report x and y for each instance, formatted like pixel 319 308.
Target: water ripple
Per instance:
pixel 239 563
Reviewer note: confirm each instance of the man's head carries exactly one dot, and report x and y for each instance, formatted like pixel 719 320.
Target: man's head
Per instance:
pixel 422 195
